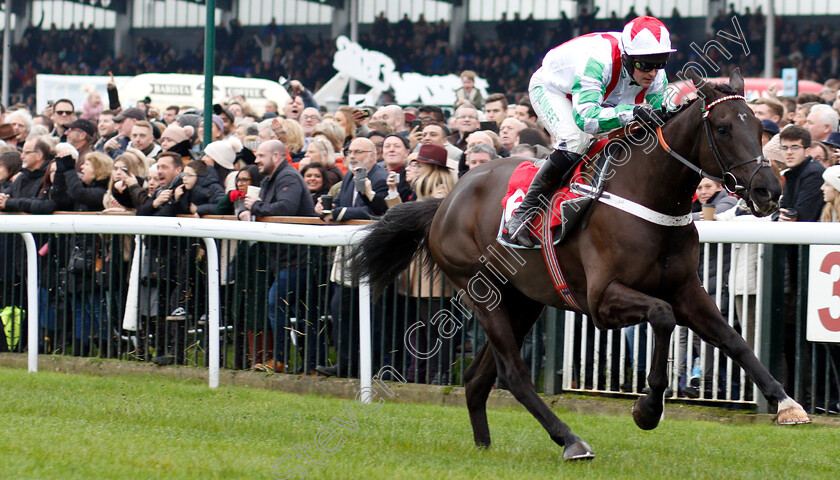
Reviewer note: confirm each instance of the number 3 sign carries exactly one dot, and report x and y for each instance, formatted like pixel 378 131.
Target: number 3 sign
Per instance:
pixel 824 294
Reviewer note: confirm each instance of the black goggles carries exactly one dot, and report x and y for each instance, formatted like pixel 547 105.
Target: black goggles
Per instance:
pixel 648 66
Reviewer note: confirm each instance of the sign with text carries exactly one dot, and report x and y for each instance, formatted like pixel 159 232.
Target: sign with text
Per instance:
pixel 823 322
pixel 378 71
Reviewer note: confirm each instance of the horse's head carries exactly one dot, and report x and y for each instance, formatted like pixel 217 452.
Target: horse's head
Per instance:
pixel 731 150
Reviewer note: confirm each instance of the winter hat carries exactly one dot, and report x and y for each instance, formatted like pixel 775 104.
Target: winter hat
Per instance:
pixel 223 152
pixel 831 175
pixel 220 124
pixel 177 133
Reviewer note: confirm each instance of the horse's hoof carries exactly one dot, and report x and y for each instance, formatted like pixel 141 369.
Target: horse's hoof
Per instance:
pixel 645 419
pixel 579 450
pixel 791 413
pixel 483 445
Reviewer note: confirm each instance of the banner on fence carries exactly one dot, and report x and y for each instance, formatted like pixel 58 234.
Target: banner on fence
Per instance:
pixel 824 294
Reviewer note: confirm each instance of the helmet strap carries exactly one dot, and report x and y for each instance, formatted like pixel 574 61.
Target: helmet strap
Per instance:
pixel 627 62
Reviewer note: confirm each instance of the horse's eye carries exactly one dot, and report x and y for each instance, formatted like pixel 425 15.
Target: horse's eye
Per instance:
pixel 722 130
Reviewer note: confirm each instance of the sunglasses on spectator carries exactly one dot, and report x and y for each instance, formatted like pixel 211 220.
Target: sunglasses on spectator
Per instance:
pixel 648 66
pixel 64 113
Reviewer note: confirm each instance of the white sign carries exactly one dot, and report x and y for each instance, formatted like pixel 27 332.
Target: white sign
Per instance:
pixel 824 294
pixel 789 82
pixel 377 70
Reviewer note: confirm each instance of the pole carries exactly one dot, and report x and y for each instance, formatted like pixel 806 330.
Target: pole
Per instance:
pixel 7 42
pixel 209 62
pixel 213 312
pixel 769 39
pixel 354 34
pixel 365 349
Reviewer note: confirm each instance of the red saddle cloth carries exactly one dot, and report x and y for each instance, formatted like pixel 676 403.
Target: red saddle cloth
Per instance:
pixel 525 173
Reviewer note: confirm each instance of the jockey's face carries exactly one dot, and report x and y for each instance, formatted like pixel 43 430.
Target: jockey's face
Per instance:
pixel 644 79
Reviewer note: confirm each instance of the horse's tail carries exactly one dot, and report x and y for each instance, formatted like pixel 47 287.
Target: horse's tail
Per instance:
pixel 393 241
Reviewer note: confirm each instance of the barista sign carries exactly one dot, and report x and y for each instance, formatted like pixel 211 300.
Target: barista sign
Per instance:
pixel 378 71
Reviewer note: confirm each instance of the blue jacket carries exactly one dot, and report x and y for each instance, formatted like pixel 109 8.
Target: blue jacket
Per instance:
pixel 344 208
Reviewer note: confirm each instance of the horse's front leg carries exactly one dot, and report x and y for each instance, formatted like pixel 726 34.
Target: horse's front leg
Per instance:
pixel 621 306
pixel 695 309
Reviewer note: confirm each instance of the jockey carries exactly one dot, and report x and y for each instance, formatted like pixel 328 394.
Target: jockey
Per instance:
pixel 591 84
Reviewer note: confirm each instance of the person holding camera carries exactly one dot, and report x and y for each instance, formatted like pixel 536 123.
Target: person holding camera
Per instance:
pixel 363 183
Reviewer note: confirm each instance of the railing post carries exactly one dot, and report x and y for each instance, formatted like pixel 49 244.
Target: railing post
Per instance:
pixel 213 310
pixel 32 295
pixel 553 351
pixel 773 315
pixel 365 353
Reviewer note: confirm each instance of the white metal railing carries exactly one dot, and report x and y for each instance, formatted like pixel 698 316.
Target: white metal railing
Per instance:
pixel 582 367
pixel 210 230
pixel 207 229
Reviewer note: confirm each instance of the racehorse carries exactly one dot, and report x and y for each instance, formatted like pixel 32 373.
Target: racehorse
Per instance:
pixel 621 269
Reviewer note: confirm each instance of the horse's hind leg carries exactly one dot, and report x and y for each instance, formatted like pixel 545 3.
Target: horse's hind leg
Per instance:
pixel 481 375
pixel 621 306
pixel 512 370
pixel 478 381
pixel 696 309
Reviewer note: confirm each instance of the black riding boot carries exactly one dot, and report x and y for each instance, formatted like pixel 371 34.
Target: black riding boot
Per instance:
pixel 550 176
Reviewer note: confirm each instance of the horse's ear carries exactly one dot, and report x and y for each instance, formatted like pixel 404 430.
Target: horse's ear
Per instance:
pixel 700 84
pixel 736 81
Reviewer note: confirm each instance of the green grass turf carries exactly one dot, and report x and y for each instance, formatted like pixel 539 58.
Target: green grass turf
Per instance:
pixel 60 426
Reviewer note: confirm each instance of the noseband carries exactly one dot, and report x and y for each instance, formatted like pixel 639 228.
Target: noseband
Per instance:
pixel 727 178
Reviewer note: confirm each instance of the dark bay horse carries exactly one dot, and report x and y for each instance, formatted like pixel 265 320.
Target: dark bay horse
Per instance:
pixel 621 269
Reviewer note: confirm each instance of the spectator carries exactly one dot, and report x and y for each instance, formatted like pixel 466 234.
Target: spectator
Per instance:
pixel 344 118
pixel 819 152
pixel 509 133
pixel 143 139
pixel 766 108
pixel 249 175
pixel 271 109
pixel 10 165
pixel 309 118
pixel 176 138
pixel 170 114
pixel 467 122
pixel 125 124
pixel 525 111
pixel 821 121
pixel 291 134
pixel 29 193
pixel 833 144
pixel 321 151
pixel 438 134
pixel 64 112
pixel 801 201
pixel 395 154
pixel 769 130
pixel 81 134
pixel 495 108
pixel 89 306
pixel 352 202
pixel 284 193
pixel 106 128
pixel 479 154
pixel 219 156
pixel 468 94
pixel 521 150
pixel 199 194
pixel 393 115
pixel 92 106
pixel 21 123
pixel 831 194
pixel 315 176
pixel 126 165
pixel 802 112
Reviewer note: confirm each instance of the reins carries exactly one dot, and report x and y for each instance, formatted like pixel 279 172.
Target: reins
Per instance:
pixel 726 172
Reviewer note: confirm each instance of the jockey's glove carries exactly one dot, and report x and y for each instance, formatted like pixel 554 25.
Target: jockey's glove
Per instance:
pixel 646 113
